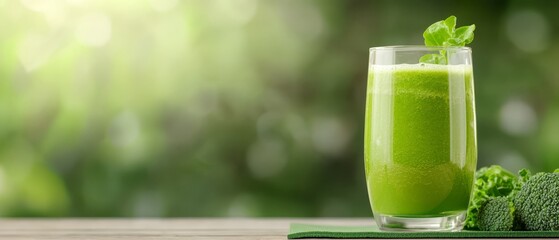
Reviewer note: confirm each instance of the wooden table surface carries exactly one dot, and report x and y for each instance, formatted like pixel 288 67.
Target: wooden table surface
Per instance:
pixel 190 228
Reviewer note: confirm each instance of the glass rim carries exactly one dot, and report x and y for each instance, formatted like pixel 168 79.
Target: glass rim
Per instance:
pixel 418 48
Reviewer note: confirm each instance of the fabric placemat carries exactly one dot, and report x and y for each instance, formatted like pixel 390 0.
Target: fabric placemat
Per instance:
pixel 297 230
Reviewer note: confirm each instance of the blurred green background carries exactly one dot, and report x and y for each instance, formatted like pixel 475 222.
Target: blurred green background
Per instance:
pixel 166 108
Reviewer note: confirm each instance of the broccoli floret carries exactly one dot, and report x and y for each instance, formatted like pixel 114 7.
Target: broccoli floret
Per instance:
pixel 537 203
pixel 496 214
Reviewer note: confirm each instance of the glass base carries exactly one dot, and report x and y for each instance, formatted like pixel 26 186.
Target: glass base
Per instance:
pixel 449 223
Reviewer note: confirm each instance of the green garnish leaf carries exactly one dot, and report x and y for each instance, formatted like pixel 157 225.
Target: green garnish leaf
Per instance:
pixel 438 33
pixel 464 35
pixel 445 34
pixel 433 59
pixel 450 22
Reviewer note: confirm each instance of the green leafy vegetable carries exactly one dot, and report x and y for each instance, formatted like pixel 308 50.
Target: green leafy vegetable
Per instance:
pixel 523 176
pixel 491 182
pixel 445 34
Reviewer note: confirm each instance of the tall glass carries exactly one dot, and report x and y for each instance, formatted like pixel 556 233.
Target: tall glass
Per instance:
pixel 420 138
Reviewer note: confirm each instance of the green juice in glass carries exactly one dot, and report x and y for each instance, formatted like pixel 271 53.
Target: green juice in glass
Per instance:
pixel 420 139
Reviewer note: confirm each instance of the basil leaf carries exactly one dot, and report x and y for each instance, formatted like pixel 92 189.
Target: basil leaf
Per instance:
pixel 436 34
pixel 465 34
pixel 450 22
pixel 433 59
pixel 445 34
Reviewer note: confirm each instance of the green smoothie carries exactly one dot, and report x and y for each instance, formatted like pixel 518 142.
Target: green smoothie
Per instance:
pixel 420 139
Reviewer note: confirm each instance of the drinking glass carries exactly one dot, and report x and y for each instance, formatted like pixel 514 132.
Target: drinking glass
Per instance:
pixel 420 137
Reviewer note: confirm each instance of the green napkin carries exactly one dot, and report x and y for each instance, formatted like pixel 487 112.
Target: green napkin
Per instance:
pixel 297 230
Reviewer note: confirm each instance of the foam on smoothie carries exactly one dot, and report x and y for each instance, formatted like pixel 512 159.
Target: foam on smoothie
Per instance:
pixel 418 78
